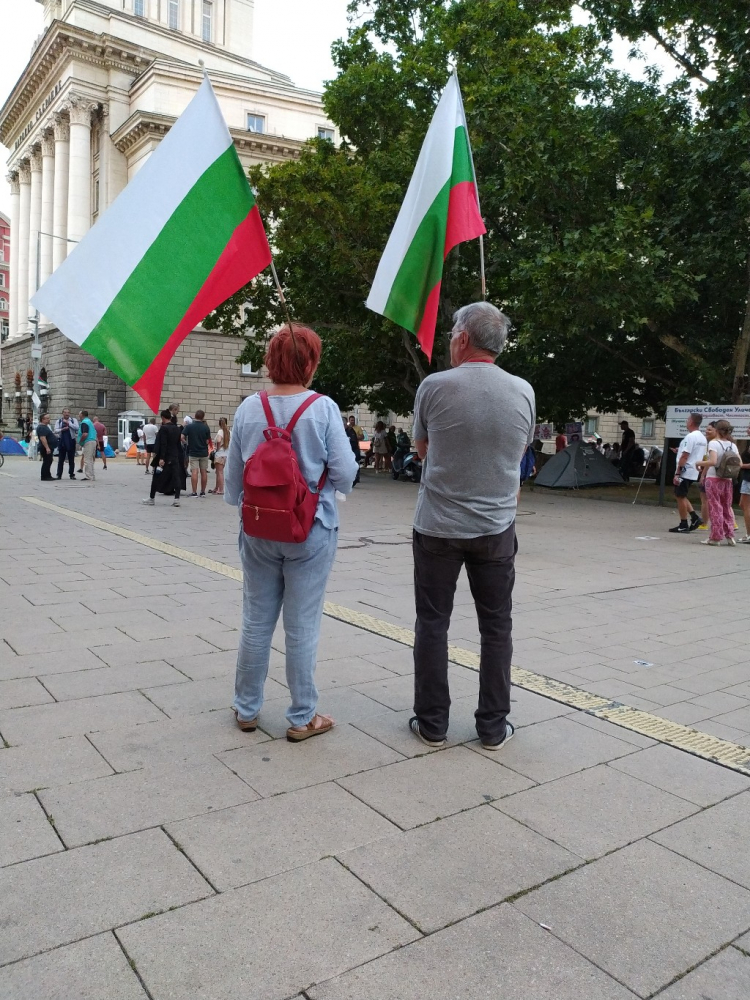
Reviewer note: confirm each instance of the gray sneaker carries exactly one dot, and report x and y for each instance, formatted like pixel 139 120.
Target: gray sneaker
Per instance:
pixel 175 503
pixel 414 726
pixel 510 732
pixel 149 501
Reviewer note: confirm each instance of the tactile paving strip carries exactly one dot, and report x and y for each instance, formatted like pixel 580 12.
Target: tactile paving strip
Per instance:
pixel 710 748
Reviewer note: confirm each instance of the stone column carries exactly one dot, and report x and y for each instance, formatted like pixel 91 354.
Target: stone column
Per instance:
pixel 24 177
pixel 60 193
pixel 35 215
pixel 105 144
pixel 79 180
pixel 15 216
pixel 48 187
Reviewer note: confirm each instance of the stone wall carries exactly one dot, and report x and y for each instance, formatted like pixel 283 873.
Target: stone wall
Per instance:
pixel 203 375
pixel 74 378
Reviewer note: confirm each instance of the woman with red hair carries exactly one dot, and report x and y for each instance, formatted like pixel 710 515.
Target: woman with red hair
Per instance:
pixel 288 575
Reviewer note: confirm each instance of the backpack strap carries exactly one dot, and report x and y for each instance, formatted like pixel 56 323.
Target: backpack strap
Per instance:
pixel 293 422
pixel 300 410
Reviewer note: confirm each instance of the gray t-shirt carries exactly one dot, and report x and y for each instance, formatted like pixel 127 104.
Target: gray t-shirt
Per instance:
pixel 478 421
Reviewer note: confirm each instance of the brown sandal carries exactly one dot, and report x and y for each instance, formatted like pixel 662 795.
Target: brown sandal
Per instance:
pixel 317 725
pixel 246 726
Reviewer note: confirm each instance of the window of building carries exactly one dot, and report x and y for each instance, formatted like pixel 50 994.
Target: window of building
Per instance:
pixel 208 11
pixel 101 397
pixel 325 133
pixel 139 8
pixel 256 123
pixel 3 305
pixel 100 365
pixel 591 425
pixel 648 427
pixel 4 329
pixel 2 277
pixel 173 14
pixel 249 370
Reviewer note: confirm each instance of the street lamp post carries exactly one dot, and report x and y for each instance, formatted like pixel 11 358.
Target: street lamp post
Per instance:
pixel 36 347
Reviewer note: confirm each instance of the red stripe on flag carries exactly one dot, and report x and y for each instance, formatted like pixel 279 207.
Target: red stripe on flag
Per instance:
pixel 246 254
pixel 464 223
pixel 426 331
pixel 464 220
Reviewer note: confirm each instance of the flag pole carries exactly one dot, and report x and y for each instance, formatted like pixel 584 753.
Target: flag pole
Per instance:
pixel 454 70
pixel 481 267
pixel 284 306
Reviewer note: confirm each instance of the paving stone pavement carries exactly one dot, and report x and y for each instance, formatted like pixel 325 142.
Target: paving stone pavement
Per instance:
pixel 148 849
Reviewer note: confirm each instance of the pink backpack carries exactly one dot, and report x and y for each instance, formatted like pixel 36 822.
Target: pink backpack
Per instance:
pixel 278 504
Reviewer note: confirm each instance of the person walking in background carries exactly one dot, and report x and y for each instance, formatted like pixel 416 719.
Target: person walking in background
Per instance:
pixel 380 446
pixel 465 516
pixel 689 455
pixel 66 431
pixel 745 491
pixel 288 575
pixel 721 467
pixel 150 432
pixel 356 428
pixel 101 431
pixel 197 436
pixel 174 411
pixel 80 422
pixel 710 433
pixel 47 445
pixel 221 450
pixel 169 469
pixel 627 450
pixel 527 468
pixel 87 438
pixel 140 445
pixel 561 442
pixel 354 445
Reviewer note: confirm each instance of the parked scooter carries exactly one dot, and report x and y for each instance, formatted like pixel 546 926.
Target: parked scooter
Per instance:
pixel 406 464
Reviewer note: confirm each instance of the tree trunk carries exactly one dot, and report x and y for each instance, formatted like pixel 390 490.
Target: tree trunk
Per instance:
pixel 741 350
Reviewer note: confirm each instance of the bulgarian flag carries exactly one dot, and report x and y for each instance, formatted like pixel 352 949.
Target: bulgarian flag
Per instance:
pixel 183 236
pixel 441 209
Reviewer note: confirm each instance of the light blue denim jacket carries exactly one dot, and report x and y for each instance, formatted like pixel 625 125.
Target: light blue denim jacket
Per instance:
pixel 319 440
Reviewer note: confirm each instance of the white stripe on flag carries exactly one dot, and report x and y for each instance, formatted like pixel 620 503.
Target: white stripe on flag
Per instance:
pixel 432 172
pixel 81 290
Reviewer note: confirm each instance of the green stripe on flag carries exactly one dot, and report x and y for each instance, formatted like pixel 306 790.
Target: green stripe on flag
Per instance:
pixel 160 290
pixel 422 266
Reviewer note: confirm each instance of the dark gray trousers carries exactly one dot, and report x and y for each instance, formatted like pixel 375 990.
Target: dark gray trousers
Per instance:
pixel 490 567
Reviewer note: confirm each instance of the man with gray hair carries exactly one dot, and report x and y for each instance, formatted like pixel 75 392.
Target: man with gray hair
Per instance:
pixel 472 425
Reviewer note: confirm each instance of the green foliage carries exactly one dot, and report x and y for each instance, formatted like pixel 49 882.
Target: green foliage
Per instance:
pixel 616 210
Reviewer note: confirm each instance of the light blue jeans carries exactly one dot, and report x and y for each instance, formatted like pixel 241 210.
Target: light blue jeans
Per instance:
pixel 291 576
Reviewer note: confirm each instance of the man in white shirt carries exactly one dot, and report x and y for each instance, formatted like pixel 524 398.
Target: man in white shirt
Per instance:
pixel 692 449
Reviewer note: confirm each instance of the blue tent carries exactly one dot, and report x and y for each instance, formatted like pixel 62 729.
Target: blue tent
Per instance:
pixel 9 446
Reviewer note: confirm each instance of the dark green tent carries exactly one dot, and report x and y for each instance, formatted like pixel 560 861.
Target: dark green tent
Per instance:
pixel 577 466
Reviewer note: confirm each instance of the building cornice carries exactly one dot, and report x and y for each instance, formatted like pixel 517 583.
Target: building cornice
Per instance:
pixel 224 81
pixel 38 82
pixel 200 47
pixel 143 126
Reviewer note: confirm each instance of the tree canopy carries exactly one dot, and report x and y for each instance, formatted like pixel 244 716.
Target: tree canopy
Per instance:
pixel 616 210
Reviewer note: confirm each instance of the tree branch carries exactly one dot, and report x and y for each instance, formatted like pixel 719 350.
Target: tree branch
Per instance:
pixel 645 372
pixel 411 351
pixel 683 60
pixel 741 350
pixel 669 340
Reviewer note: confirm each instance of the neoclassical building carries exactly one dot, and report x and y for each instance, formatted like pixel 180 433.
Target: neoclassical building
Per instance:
pixel 104 83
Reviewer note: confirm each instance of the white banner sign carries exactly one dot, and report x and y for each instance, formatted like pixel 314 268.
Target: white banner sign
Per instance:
pixel 738 417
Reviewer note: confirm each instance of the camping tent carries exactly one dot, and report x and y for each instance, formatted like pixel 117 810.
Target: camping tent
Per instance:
pixel 577 466
pixel 9 446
